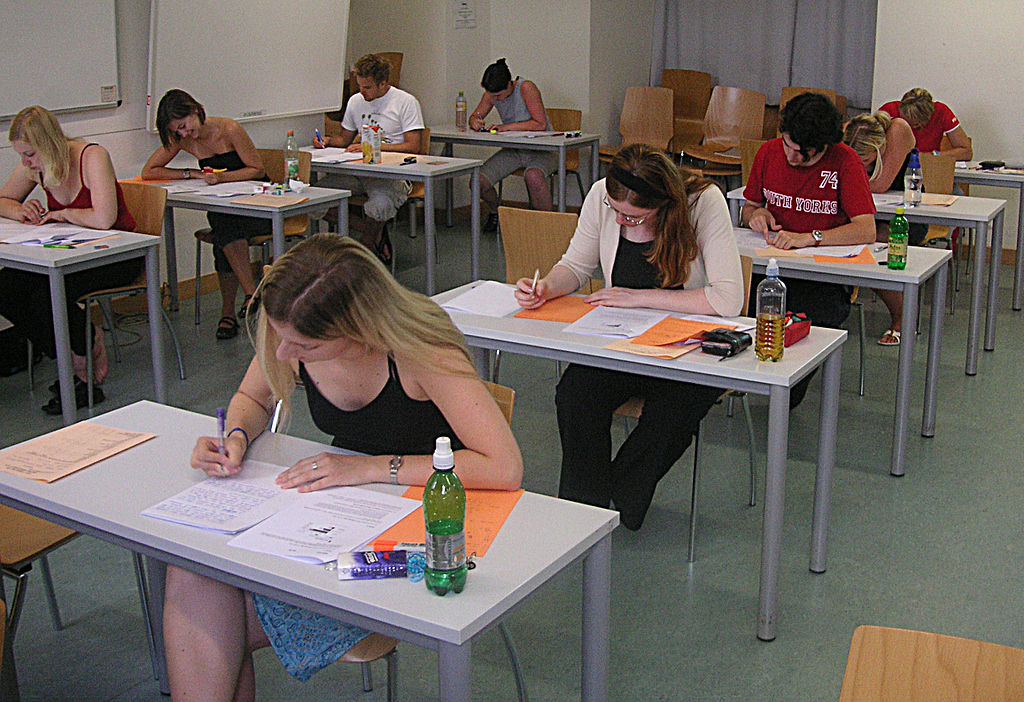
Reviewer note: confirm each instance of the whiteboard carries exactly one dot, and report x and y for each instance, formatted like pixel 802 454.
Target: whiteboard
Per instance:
pixel 61 54
pixel 248 59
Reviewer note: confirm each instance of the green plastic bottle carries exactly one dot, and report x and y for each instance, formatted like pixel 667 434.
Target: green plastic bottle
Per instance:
pixel 898 232
pixel 444 515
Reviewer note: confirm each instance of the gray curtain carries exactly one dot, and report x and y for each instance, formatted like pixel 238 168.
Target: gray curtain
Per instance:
pixel 768 45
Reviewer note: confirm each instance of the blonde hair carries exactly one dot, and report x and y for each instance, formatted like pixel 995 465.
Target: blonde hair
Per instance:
pixel 329 287
pixel 865 134
pixel 37 127
pixel 917 106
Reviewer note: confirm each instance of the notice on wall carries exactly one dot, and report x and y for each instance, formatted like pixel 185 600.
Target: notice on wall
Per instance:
pixel 465 14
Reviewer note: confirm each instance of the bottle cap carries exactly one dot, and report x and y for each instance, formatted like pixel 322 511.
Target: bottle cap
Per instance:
pixel 444 459
pixel 291 132
pixel 915 159
pixel 772 270
pixel 900 210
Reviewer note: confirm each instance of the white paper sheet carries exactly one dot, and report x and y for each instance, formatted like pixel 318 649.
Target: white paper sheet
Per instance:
pixel 9 228
pixel 325 523
pixel 54 234
pixel 228 505
pixel 238 187
pixel 184 186
pixel 616 322
pixel 332 154
pixel 489 298
pixel 888 198
pixel 749 239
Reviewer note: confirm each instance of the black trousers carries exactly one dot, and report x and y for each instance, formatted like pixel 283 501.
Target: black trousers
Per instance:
pixel 586 399
pixel 25 301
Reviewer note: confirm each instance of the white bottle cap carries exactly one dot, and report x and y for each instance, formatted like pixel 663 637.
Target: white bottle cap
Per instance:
pixel 444 459
pixel 772 271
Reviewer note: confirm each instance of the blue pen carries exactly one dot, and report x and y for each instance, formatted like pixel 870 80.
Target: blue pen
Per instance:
pixel 221 415
pixel 318 137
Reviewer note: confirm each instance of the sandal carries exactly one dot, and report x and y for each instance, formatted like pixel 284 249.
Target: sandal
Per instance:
pixel 227 328
pixel 53 407
pixel 891 337
pixel 244 309
pixel 383 247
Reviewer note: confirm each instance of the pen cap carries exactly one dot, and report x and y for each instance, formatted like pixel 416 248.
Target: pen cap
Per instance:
pixel 772 269
pixel 444 459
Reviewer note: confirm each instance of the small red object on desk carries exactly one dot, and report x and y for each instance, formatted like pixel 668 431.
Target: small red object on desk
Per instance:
pixel 797 327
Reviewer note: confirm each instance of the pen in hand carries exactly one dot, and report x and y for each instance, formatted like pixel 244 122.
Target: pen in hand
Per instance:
pixel 221 415
pixel 533 286
pixel 319 139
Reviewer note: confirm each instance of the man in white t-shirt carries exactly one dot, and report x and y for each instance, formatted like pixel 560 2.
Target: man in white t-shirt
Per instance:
pixel 400 119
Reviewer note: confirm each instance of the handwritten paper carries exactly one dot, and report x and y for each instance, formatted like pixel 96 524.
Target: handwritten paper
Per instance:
pixel 486 512
pixel 488 297
pixel 227 505
pixel 68 450
pixel 567 309
pixel 667 352
pixel 325 523
pixel 673 330
pixel 616 321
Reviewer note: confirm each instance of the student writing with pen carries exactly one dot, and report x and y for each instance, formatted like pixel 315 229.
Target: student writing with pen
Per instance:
pixel 78 180
pixel 807 188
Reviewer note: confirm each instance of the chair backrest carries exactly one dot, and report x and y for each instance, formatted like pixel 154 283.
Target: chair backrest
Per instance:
pixel 646 116
pixel 913 666
pixel 273 164
pixel 748 150
pixel 533 240
pixel 425 141
pixel 746 270
pixel 395 78
pixel 691 92
pixel 938 173
pixel 733 114
pixel 146 203
pixel 504 397
pixel 566 120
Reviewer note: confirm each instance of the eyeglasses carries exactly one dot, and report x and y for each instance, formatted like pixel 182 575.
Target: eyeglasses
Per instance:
pixel 631 221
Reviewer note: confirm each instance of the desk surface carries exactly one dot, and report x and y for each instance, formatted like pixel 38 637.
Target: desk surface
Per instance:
pixel 426 166
pixel 449 134
pixel 38 257
pixel 315 198
pixel 988 177
pixel 98 501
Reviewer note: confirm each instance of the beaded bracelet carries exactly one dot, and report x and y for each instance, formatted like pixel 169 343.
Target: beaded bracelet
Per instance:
pixel 246 435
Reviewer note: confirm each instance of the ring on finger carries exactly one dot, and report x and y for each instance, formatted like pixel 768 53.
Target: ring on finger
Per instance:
pixel 315 466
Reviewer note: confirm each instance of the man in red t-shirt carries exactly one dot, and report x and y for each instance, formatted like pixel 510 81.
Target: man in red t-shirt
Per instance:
pixel 931 121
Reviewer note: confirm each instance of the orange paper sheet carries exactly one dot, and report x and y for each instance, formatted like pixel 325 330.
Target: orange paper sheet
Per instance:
pixel 865 256
pixel 673 330
pixel 486 512
pixel 566 309
pixel 67 450
pixel 938 199
pixel 139 179
pixel 264 200
pixel 666 352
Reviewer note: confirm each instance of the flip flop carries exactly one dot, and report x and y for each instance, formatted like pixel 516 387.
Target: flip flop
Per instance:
pixel 891 337
pixel 383 248
pixel 244 309
pixel 227 328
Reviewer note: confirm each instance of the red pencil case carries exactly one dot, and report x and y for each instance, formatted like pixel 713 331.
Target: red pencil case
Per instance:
pixel 797 327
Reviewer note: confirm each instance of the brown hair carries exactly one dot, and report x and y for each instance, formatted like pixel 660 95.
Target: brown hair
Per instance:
pixel 176 104
pixel 917 106
pixel 655 183
pixel 37 127
pixel 373 66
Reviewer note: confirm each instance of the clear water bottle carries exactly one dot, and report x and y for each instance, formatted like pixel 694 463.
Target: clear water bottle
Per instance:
pixel 771 315
pixel 899 228
pixel 460 112
pixel 291 158
pixel 912 181
pixel 444 515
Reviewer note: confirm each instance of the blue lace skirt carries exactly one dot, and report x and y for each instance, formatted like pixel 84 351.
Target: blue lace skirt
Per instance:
pixel 304 641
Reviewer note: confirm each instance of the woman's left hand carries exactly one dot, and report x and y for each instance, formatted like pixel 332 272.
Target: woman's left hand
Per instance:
pixel 54 216
pixel 614 297
pixel 211 178
pixel 326 470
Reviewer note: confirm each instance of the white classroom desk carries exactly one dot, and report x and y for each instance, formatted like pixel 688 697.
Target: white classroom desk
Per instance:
pixel 985 215
pixel 57 263
pixel 541 537
pixel 822 347
pixel 923 263
pixel 973 175
pixel 317 199
pixel 427 170
pixel 449 136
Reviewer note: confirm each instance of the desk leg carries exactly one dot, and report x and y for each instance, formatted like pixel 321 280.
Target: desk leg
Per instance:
pixel 826 459
pixel 561 178
pixel 994 262
pixel 901 416
pixel 430 232
pixel 595 163
pixel 934 343
pixel 734 211
pixel 156 574
pixel 343 218
pixel 597 577
pixel 62 337
pixel 449 191
pixel 278 223
pixel 974 318
pixel 453 672
pixel 474 224
pixel 8 675
pixel 171 253
pixel 774 503
pixel 1018 263
pixel 156 320
pixel 481 361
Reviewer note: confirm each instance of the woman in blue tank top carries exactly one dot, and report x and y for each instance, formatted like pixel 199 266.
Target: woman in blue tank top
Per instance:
pixel 385 372
pixel 521 109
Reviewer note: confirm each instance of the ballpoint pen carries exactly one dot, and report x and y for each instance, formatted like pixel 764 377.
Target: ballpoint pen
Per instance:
pixel 533 285
pixel 221 415
pixel 319 139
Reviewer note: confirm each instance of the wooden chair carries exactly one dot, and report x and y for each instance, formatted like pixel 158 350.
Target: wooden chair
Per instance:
pixel 351 87
pixel 562 120
pixel 298 225
pixel 903 665
pixel 733 114
pixel 633 407
pixel 938 178
pixel 146 203
pixel 417 196
pixel 646 118
pixel 748 150
pixel 691 92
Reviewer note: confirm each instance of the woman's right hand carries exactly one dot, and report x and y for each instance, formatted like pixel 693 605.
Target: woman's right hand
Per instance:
pixel 32 211
pixel 475 123
pixel 206 456
pixel 528 296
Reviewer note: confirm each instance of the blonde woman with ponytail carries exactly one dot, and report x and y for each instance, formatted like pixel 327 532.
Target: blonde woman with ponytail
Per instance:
pixel 385 373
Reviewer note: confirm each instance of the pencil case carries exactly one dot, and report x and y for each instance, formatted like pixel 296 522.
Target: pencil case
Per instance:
pixel 797 327
pixel 372 565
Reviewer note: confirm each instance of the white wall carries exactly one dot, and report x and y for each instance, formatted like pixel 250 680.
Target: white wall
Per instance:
pixel 968 56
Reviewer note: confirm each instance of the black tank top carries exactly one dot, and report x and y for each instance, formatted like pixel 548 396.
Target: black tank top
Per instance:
pixel 391 423
pixel 229 160
pixel 631 268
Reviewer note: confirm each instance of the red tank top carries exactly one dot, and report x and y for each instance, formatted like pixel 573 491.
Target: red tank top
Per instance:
pixel 83 201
